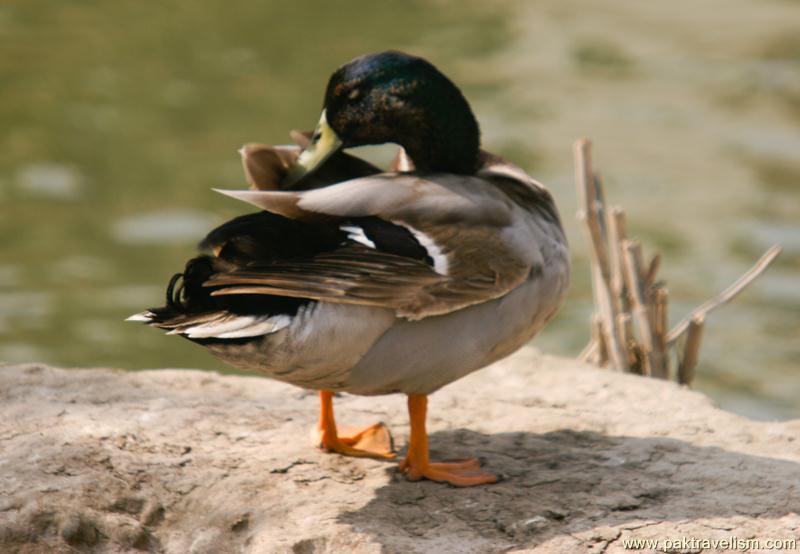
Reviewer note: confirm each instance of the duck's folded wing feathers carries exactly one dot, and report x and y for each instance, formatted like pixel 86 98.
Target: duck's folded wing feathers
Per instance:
pixel 352 274
pixel 469 235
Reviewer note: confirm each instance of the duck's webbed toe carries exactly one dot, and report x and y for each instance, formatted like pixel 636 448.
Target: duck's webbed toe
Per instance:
pixel 372 441
pixel 464 473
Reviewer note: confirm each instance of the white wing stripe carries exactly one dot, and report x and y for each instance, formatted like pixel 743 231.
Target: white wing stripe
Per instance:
pixel 440 263
pixel 357 234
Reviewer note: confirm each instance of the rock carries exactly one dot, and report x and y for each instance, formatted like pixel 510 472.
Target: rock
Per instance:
pixel 103 460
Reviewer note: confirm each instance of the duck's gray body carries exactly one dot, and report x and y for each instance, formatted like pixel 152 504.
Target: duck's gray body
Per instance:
pixel 368 349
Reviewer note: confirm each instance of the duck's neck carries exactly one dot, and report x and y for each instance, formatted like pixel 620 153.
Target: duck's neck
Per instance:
pixel 445 144
pixel 443 138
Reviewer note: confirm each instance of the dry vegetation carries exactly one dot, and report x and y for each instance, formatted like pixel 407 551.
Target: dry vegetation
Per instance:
pixel 630 326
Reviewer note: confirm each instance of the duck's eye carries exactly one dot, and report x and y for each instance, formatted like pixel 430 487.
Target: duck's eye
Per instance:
pixel 354 94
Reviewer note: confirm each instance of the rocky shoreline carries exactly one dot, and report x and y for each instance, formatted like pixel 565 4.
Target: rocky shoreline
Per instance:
pixel 101 460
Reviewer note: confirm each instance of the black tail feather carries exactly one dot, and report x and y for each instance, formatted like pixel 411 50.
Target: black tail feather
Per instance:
pixel 186 296
pixel 174 296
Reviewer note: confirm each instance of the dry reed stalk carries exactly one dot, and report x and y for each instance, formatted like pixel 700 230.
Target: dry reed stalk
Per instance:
pixel 727 295
pixel 601 357
pixel 691 351
pixel 660 323
pixel 589 352
pixel 625 330
pixel 652 358
pixel 652 271
pixel 601 276
pixel 617 234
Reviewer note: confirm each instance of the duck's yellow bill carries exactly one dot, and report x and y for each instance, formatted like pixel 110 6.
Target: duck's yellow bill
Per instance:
pixel 324 142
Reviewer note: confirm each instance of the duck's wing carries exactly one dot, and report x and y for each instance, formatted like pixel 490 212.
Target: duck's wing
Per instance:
pixel 351 274
pixel 465 243
pixel 265 166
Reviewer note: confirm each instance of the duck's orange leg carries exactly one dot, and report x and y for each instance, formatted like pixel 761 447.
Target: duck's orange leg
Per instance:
pixel 416 465
pixel 374 441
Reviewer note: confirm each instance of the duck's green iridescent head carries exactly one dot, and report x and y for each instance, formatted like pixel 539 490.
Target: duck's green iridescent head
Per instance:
pixel 398 98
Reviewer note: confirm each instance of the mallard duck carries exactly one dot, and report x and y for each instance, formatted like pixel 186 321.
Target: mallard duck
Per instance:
pixel 352 279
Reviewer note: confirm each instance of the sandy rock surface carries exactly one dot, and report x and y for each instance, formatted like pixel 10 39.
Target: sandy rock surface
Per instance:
pixel 185 461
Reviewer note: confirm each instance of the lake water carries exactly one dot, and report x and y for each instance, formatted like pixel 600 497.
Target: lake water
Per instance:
pixel 118 117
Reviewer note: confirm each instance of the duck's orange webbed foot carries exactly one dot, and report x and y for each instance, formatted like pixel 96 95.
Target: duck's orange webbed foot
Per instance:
pixel 417 465
pixel 466 473
pixel 374 441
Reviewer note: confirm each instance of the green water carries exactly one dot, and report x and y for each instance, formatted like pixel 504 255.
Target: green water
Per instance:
pixel 118 117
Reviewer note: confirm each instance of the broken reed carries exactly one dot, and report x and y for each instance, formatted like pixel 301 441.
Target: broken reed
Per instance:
pixel 629 329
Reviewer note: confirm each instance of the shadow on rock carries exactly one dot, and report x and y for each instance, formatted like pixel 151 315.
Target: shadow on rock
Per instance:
pixel 575 483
